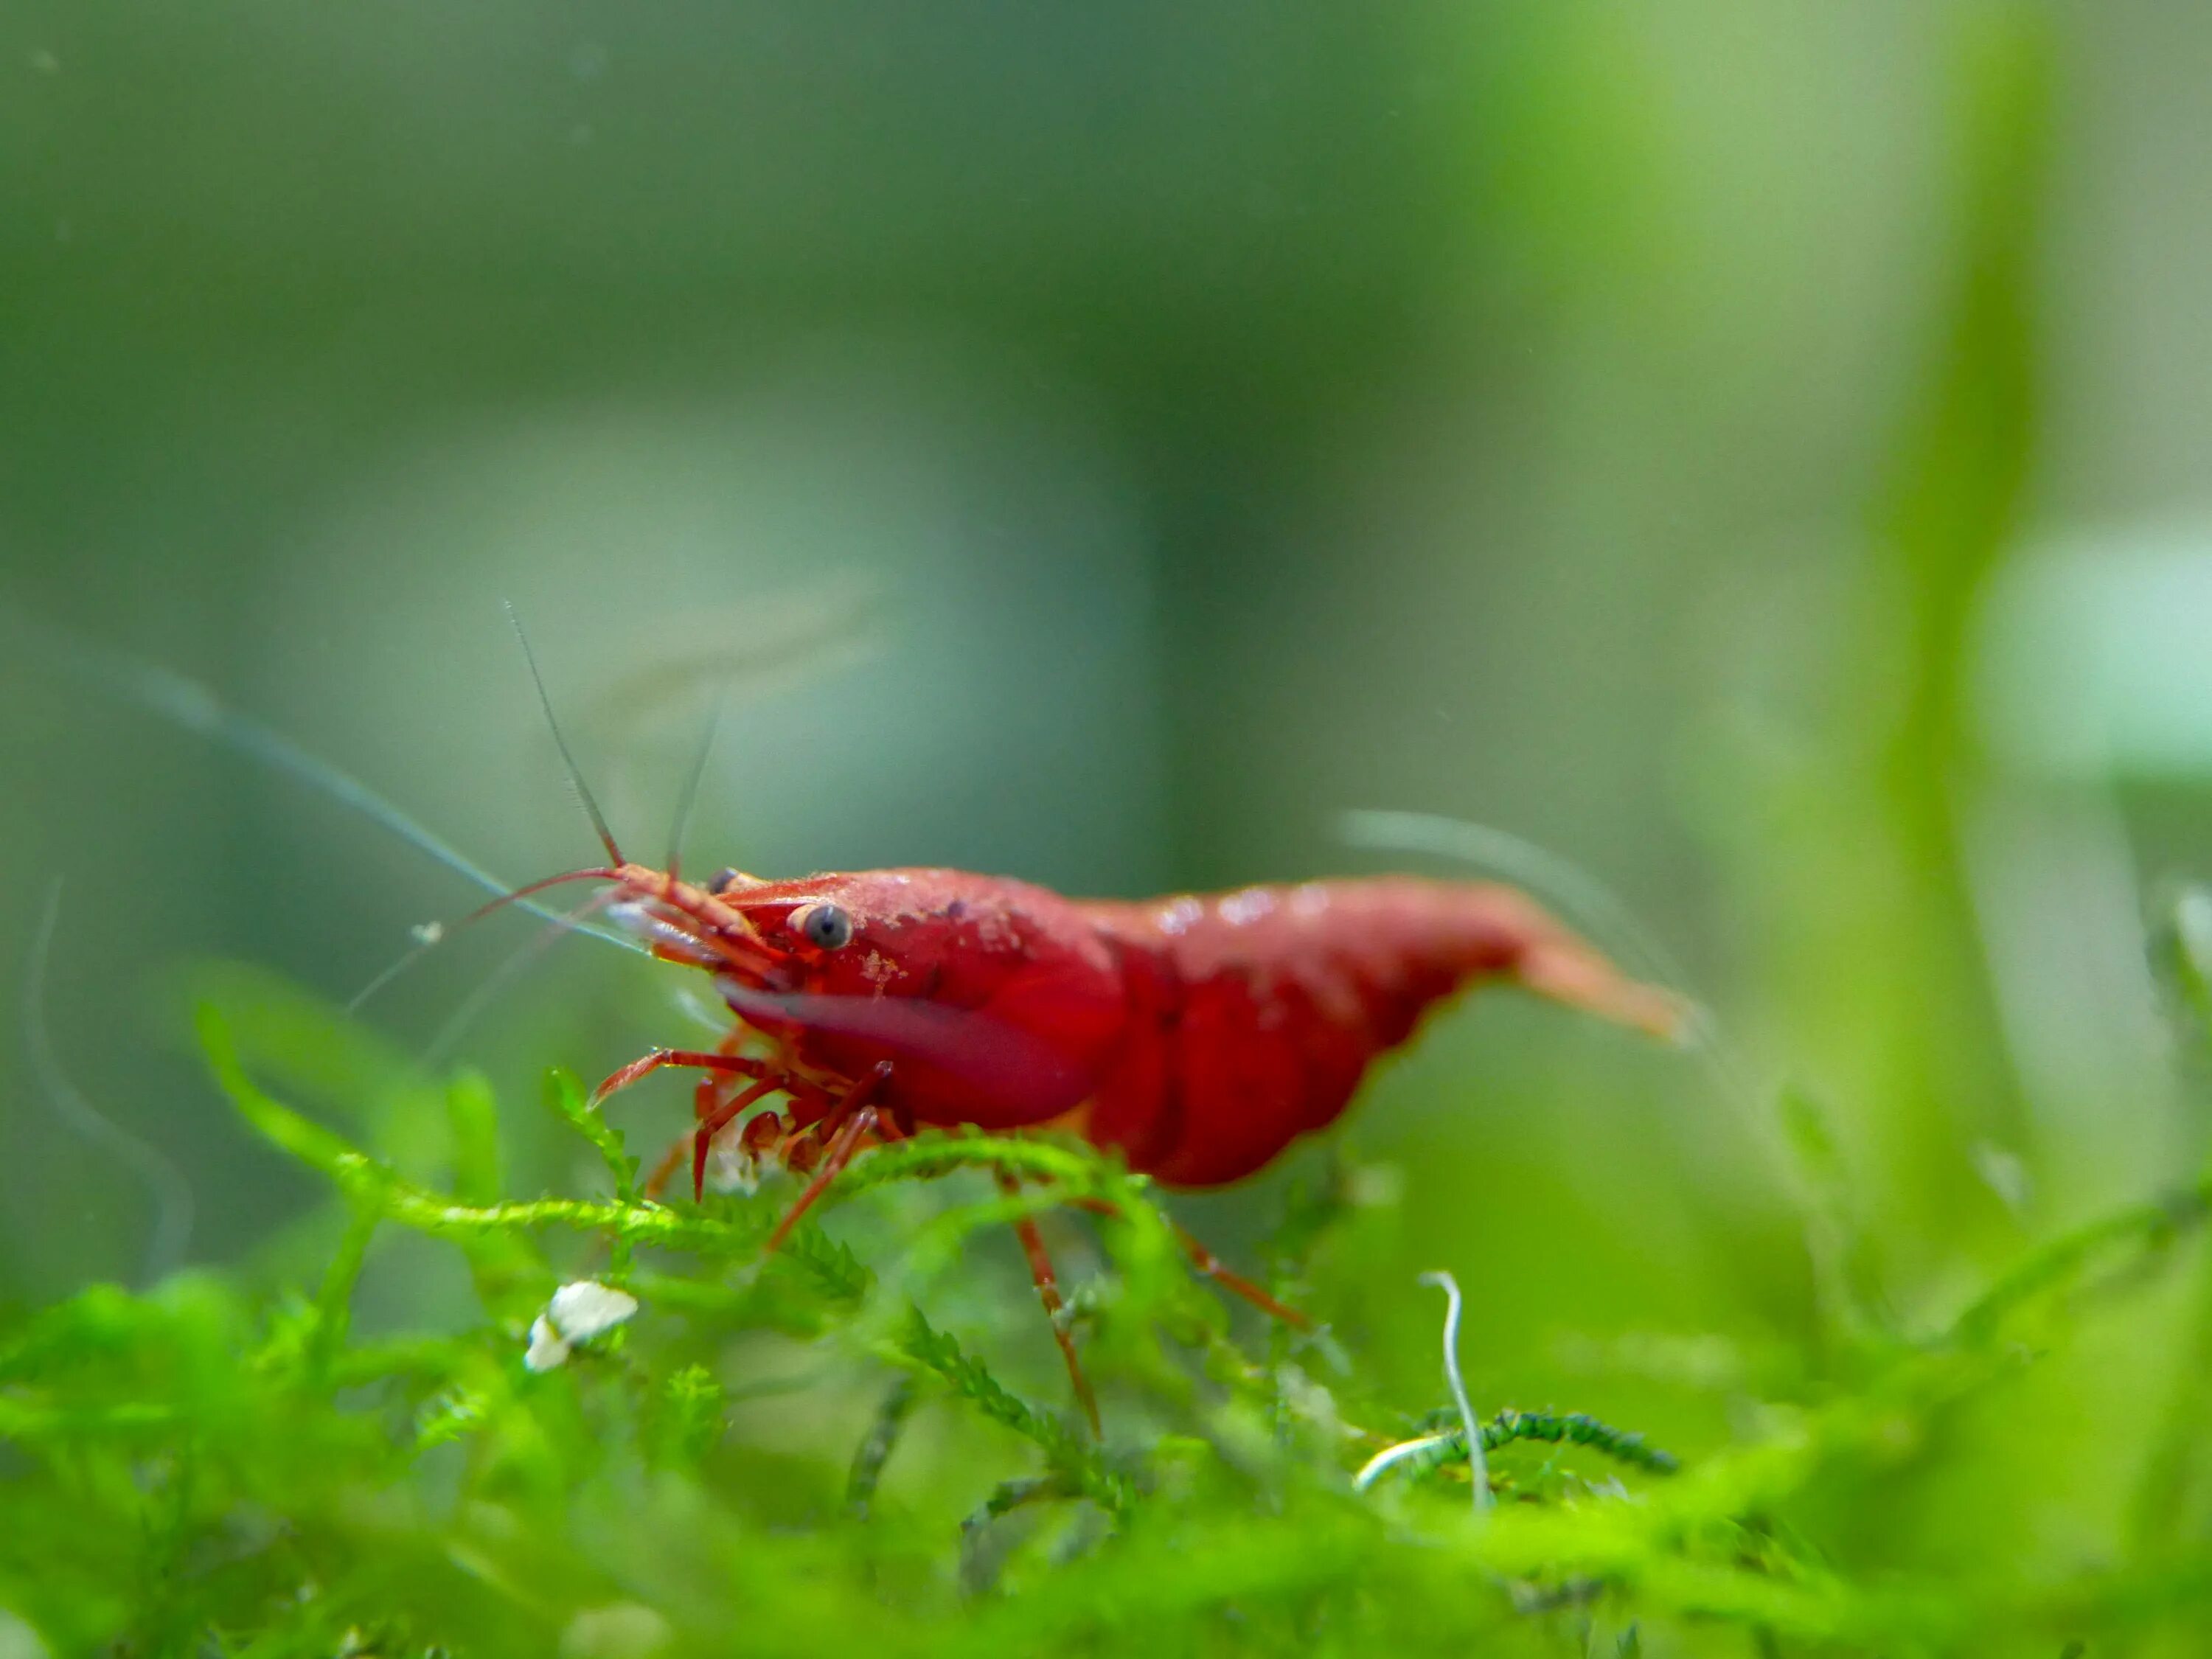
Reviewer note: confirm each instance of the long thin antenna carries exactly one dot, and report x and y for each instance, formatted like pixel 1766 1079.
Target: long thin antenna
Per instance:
pixel 533 951
pixel 195 708
pixel 171 1192
pixel 690 799
pixel 575 773
pixel 430 935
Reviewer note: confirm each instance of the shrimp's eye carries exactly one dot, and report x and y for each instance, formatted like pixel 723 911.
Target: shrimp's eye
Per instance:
pixel 826 927
pixel 724 880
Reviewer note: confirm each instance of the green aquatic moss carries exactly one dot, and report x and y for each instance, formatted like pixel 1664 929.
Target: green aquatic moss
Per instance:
pixel 861 1442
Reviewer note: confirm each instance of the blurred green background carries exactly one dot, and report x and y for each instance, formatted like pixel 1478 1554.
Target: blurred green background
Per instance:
pixel 1754 452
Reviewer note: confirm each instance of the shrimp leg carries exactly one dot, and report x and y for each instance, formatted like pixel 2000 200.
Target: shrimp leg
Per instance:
pixel 1056 1307
pixel 859 1121
pixel 1211 1266
pixel 647 1064
pixel 1205 1261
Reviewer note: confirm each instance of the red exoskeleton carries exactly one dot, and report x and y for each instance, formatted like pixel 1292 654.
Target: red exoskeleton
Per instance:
pixel 1196 1037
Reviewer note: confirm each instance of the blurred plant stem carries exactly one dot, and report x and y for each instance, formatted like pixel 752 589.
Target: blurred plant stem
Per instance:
pixel 1870 941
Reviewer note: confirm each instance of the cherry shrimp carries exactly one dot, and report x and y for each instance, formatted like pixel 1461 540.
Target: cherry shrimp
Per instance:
pixel 1194 1037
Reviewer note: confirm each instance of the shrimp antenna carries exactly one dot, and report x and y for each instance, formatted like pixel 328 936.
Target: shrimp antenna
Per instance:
pixel 171 1192
pixel 689 799
pixel 430 935
pixel 575 773
pixel 471 1007
pixel 195 708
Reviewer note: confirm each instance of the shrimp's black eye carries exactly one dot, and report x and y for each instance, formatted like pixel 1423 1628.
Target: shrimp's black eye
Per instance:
pixel 827 927
pixel 724 880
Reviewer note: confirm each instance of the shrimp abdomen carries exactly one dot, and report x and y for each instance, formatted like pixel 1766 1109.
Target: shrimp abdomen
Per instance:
pixel 1257 1013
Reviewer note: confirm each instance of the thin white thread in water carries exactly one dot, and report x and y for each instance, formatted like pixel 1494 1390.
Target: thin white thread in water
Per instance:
pixel 1477 1464
pixel 1390 1456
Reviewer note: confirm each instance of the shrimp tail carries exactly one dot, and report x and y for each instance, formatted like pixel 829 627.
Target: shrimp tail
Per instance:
pixel 1564 968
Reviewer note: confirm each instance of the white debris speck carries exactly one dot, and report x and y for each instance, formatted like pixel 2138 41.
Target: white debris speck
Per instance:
pixel 427 933
pixel 547 1351
pixel 581 1310
pixel 730 1167
pixel 577 1313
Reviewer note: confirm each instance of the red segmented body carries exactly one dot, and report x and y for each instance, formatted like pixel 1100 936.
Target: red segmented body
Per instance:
pixel 1200 1035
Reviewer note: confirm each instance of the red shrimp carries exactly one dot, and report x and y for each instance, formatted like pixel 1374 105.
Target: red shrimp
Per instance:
pixel 1196 1036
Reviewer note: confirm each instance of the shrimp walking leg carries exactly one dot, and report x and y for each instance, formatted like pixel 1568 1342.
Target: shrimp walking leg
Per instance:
pixel 712 1121
pixel 1205 1261
pixel 645 1065
pixel 858 1122
pixel 1211 1265
pixel 1055 1305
